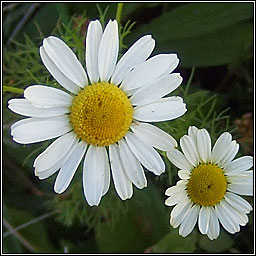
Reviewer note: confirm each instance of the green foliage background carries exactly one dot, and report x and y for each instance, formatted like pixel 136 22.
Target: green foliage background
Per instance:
pixel 214 42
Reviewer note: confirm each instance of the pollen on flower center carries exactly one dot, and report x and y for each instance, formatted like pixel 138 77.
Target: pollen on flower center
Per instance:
pixel 101 114
pixel 207 185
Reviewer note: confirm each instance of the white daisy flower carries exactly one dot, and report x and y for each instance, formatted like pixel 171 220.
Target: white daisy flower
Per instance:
pixel 210 182
pixel 102 119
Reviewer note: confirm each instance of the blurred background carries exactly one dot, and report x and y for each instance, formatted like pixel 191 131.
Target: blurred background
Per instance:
pixel 214 42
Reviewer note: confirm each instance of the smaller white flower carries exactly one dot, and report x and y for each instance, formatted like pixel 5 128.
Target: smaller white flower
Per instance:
pixel 210 182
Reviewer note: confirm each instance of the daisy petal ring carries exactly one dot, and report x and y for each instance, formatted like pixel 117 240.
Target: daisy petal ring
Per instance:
pixel 210 182
pixel 101 116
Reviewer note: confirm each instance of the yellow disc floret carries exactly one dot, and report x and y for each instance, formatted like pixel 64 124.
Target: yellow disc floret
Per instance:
pixel 207 185
pixel 101 114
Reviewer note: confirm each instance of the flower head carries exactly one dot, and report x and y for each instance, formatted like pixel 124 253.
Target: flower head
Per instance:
pixel 102 114
pixel 210 182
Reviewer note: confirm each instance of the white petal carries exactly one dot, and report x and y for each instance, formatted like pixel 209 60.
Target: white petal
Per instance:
pixel 225 219
pixel 179 212
pixel 68 170
pixel 238 202
pixel 233 149
pixel 107 172
pixel 241 188
pixel 136 54
pixel 192 132
pixel 94 174
pixel 235 215
pixel 154 136
pixel 108 51
pixel 34 129
pixel 214 226
pixel 189 149
pixel 204 145
pixel 47 173
pixel 65 59
pixel 156 89
pixel 55 152
pixel 122 183
pixel 25 108
pixel 204 218
pixel 221 147
pixel 131 165
pixel 58 75
pixel 174 189
pixel 47 97
pixel 239 165
pixel 93 38
pixel 164 109
pixel 179 160
pixel 189 221
pixel 176 198
pixel 183 174
pixel 246 177
pixel 146 154
pixel 149 70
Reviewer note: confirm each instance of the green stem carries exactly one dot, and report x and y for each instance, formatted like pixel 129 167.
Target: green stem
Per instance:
pixel 119 12
pixel 12 89
pixel 189 80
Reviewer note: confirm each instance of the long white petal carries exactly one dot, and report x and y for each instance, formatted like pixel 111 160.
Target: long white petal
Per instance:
pixel 146 154
pixel 241 189
pixel 122 183
pixel 65 59
pixel 204 218
pixel 192 132
pixel 189 221
pixel 132 166
pixel 34 129
pixel 45 173
pixel 58 74
pixel 204 145
pixel 108 51
pixel 235 215
pixel 156 89
pixel 238 202
pixel 55 152
pixel 246 177
pixel 221 147
pixel 68 170
pixel 179 160
pixel 179 212
pixel 214 226
pixel 26 108
pixel 47 97
pixel 94 174
pixel 189 149
pixel 233 149
pixel 107 172
pixel 239 165
pixel 164 109
pixel 154 136
pixel 149 70
pixel 225 219
pixel 93 38
pixel 136 54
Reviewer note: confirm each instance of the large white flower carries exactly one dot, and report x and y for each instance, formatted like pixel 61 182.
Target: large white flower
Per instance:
pixel 210 182
pixel 104 119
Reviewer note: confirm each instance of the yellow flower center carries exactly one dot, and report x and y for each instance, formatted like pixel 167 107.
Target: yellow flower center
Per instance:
pixel 207 185
pixel 101 114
